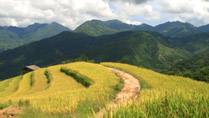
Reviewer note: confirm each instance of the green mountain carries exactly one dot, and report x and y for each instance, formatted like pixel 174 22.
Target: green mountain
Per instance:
pixel 11 37
pixel 95 28
pixel 204 28
pixel 196 43
pixel 171 29
pixel 118 25
pixel 139 48
pixel 176 29
pixel 196 67
pixel 144 27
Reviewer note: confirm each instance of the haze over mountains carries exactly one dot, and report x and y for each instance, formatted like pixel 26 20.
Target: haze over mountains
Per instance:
pixel 157 48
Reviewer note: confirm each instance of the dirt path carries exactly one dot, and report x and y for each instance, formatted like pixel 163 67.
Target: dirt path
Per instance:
pixel 129 91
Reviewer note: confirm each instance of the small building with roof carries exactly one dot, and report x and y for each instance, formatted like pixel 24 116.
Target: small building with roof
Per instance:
pixel 30 68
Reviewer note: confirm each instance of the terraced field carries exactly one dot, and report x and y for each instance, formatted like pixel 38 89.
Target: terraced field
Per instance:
pixel 53 92
pixel 63 94
pixel 9 86
pixel 164 96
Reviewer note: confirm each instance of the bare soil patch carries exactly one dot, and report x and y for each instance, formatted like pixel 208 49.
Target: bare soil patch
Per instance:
pixel 10 112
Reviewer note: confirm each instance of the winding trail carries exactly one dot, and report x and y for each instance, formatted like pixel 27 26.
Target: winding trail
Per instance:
pixel 129 91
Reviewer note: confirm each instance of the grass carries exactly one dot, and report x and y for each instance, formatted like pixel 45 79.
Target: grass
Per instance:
pixel 85 81
pixel 169 96
pixel 4 105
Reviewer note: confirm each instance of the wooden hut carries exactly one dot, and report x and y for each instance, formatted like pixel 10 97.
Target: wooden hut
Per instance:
pixel 30 68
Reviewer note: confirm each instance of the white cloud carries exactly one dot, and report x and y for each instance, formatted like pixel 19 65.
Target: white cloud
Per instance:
pixel 125 10
pixel 133 22
pixel 131 1
pixel 67 12
pixel 177 6
pixel 72 13
pixel 194 11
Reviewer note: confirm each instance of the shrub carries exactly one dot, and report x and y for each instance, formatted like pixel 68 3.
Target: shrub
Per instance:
pixel 2 106
pixel 32 80
pixel 48 76
pixel 85 81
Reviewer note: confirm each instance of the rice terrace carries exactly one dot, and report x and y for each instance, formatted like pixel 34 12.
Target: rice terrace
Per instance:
pixel 65 96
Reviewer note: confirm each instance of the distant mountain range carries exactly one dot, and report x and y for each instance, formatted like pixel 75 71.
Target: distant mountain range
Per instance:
pixel 11 37
pixel 158 48
pixel 171 29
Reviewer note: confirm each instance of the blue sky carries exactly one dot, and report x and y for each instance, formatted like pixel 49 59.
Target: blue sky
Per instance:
pixel 72 13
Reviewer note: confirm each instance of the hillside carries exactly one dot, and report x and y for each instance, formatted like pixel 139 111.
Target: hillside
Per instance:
pixel 65 96
pixel 138 48
pixel 64 93
pixel 204 28
pixel 11 37
pixel 196 68
pixel 143 27
pixel 163 96
pixel 196 43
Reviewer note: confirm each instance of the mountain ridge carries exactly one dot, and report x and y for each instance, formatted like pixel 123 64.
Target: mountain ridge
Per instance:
pixel 11 36
pixel 175 29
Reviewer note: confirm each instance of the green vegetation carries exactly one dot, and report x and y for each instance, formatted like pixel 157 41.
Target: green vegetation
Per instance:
pixel 3 105
pixel 196 68
pixel 145 49
pixel 95 28
pixel 169 96
pixel 11 37
pixel 176 29
pixel 32 79
pixel 172 29
pixel 78 77
pixel 48 76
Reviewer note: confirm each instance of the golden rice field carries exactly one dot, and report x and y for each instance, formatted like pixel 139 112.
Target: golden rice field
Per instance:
pixel 161 96
pixel 63 94
pixel 9 86
pixel 164 96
